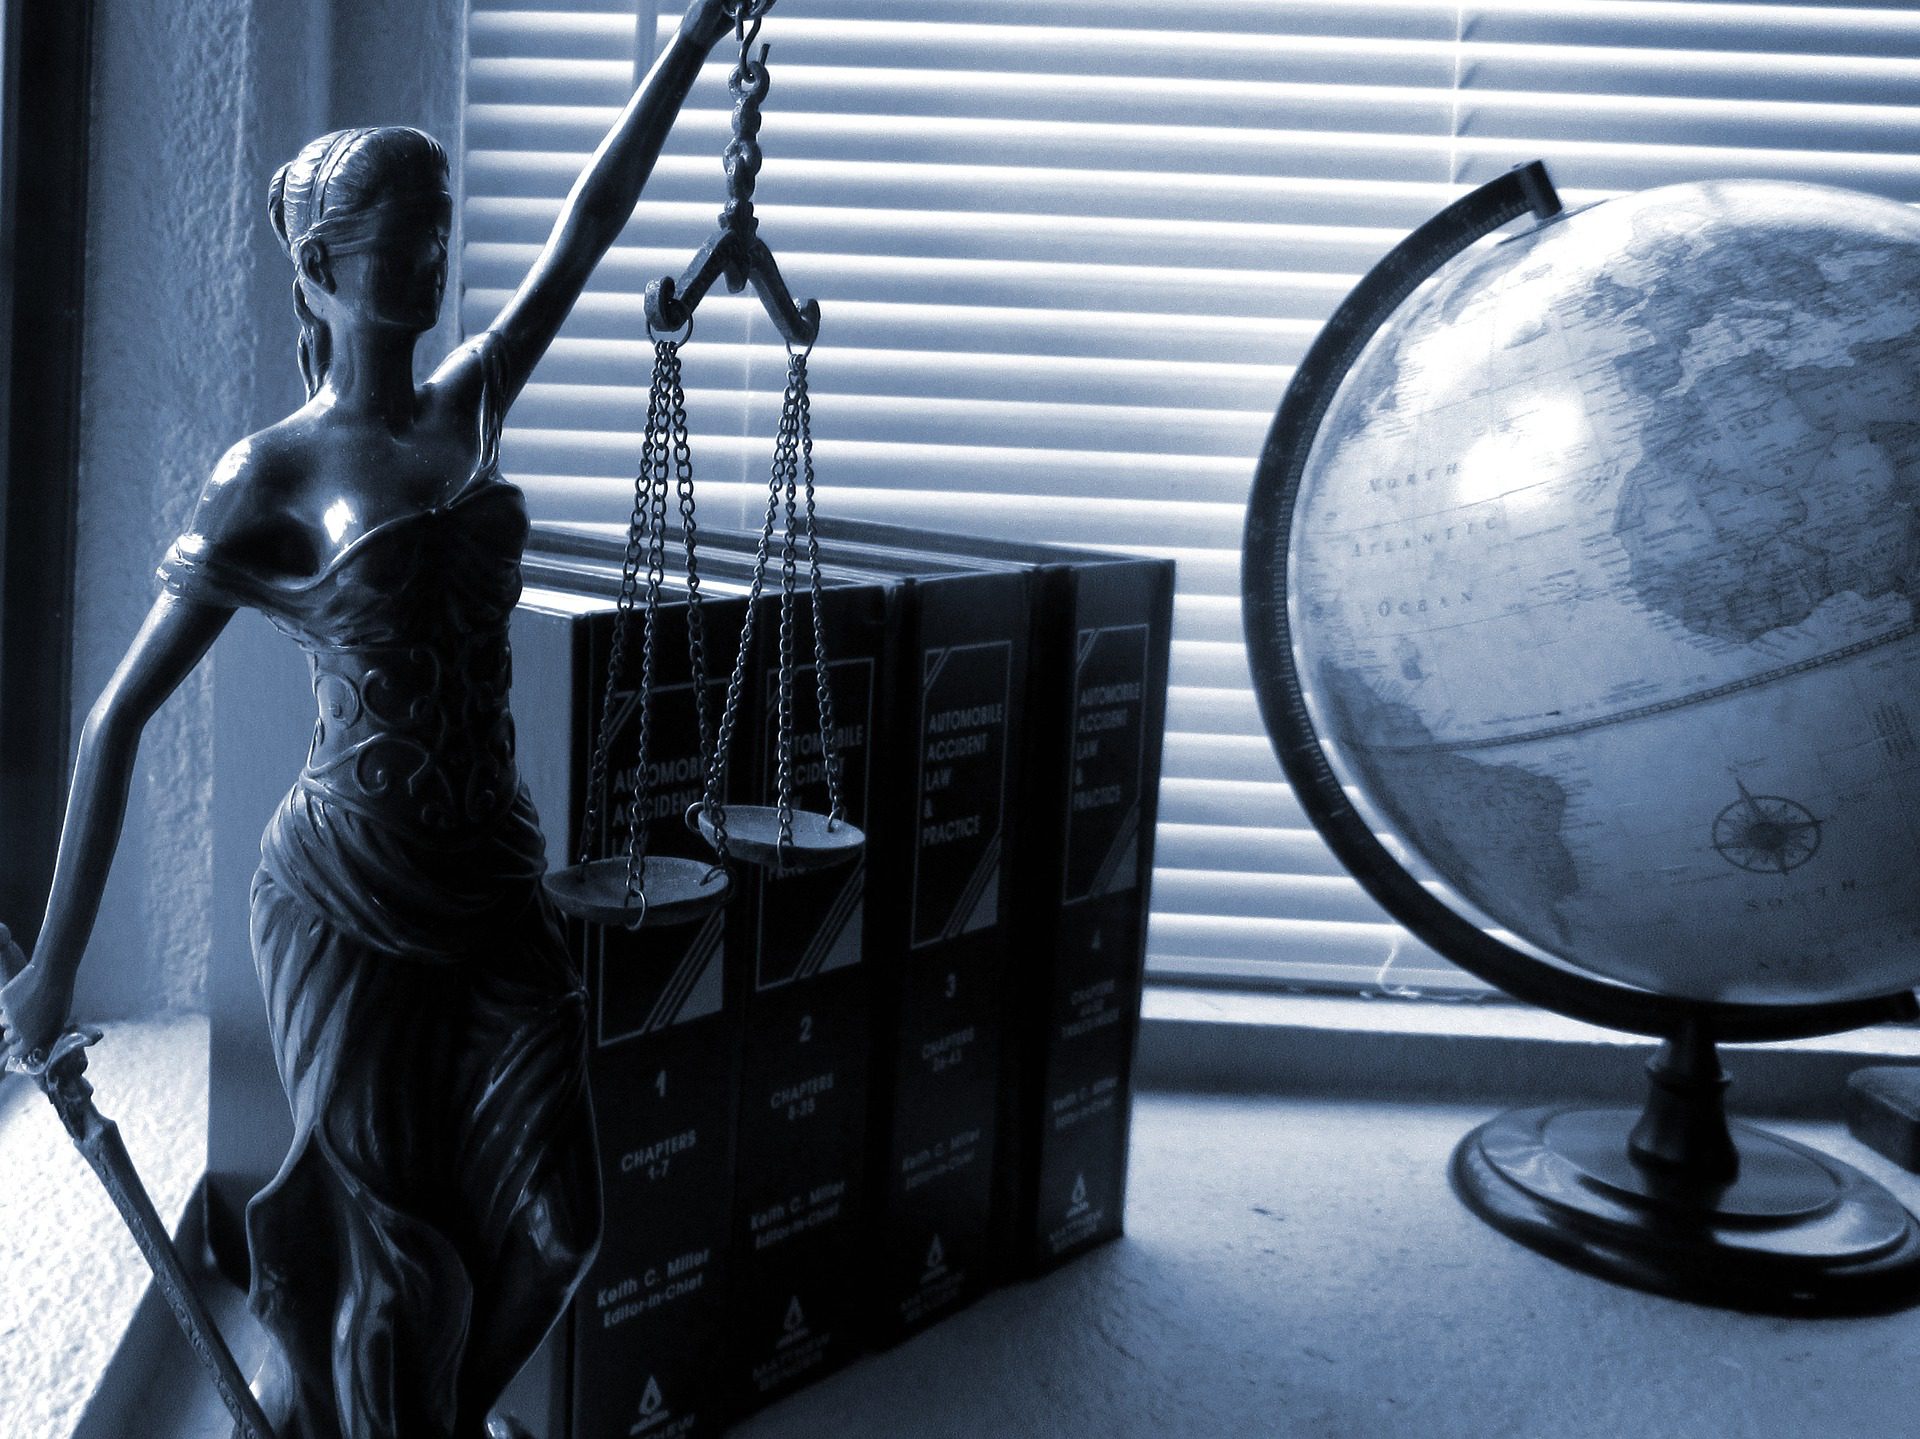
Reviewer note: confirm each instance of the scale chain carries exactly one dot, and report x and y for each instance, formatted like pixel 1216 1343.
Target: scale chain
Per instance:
pixel 710 805
pixel 788 464
pixel 736 254
pixel 596 789
pixel 822 680
pixel 657 461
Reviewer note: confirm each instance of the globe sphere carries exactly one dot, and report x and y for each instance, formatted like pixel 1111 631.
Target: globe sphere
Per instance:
pixel 1603 577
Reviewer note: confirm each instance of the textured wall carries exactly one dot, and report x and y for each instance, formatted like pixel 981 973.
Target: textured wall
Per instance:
pixel 188 348
pixel 403 62
pixel 174 371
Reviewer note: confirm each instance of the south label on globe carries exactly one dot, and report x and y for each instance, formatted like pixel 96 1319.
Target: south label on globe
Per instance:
pixel 1606 572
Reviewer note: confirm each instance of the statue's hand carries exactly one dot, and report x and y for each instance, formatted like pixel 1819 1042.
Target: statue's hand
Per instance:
pixel 33 1004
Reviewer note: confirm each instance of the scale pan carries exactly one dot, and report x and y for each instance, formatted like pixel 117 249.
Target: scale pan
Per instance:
pixel 678 891
pixel 753 835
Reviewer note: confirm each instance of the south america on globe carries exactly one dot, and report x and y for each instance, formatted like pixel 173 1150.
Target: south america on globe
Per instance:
pixel 1604 577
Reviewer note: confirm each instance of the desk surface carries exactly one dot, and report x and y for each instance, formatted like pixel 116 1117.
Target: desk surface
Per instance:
pixel 1298 1269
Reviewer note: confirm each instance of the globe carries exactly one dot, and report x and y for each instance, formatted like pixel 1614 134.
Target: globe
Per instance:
pixel 1579 585
pixel 1603 587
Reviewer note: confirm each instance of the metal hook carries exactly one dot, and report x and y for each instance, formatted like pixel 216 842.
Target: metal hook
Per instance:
pixel 670 334
pixel 736 250
pixel 746 37
pixel 745 10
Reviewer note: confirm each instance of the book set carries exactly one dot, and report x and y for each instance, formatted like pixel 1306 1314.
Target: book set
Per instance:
pixel 857 1097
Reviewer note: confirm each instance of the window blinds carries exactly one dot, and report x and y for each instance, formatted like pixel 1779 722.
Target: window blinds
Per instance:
pixel 1067 269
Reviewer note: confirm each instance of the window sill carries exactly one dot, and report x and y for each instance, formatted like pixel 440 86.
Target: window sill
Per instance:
pixel 71 1279
pixel 1334 1046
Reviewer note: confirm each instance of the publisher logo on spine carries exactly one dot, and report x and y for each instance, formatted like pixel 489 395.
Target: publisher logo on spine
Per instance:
pixel 656 1419
pixel 941 1285
pixel 1080 1220
pixel 936 1261
pixel 654 1413
pixel 798 1351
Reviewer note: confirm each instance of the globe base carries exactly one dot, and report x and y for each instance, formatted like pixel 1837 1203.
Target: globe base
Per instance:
pixel 1776 1228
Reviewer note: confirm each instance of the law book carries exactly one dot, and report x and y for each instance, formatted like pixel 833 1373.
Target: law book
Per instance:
pixel 641 1350
pixel 799 1213
pixel 797 959
pixel 937 922
pixel 1100 638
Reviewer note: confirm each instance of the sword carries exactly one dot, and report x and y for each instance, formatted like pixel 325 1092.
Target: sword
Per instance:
pixel 61 1075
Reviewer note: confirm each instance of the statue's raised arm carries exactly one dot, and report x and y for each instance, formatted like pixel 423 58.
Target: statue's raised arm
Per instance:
pixel 602 199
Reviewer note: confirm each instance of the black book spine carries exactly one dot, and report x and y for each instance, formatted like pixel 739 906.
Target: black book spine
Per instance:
pixel 798 1214
pixel 1112 630
pixel 941 933
pixel 641 1349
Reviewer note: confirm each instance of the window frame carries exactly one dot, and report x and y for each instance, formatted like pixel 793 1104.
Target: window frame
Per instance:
pixel 44 126
pixel 1526 85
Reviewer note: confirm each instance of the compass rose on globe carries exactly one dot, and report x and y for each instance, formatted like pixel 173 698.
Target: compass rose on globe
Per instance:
pixel 1766 833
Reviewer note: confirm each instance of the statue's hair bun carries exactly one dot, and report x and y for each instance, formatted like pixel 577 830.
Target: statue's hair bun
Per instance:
pixel 349 175
pixel 277 202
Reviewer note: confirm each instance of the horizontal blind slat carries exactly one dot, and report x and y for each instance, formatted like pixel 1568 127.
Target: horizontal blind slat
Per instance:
pixel 1398 19
pixel 1657 25
pixel 1256 849
pixel 996 283
pixel 846 370
pixel 1115 334
pixel 614 417
pixel 835 113
pixel 1044 518
pixel 1364 946
pixel 1312 190
pixel 569 79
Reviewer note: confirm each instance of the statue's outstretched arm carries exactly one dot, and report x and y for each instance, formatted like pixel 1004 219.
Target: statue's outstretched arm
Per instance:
pixel 602 199
pixel 177 632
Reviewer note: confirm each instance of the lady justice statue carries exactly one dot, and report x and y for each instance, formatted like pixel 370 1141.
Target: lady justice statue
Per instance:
pixel 441 1199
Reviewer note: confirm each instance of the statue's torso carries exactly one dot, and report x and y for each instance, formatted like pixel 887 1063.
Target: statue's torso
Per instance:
pixel 408 827
pixel 406 632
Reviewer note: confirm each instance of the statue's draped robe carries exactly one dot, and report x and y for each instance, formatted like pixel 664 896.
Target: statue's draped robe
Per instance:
pixel 427 1024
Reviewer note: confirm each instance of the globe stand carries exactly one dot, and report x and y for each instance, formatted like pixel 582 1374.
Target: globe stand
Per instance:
pixel 1678 1201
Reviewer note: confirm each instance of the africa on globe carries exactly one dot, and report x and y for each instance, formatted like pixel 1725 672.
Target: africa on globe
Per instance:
pixel 1603 584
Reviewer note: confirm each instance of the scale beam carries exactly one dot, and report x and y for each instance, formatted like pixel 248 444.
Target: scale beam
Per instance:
pixel 736 253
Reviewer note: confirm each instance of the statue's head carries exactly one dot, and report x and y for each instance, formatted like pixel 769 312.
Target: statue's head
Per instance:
pixel 365 215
